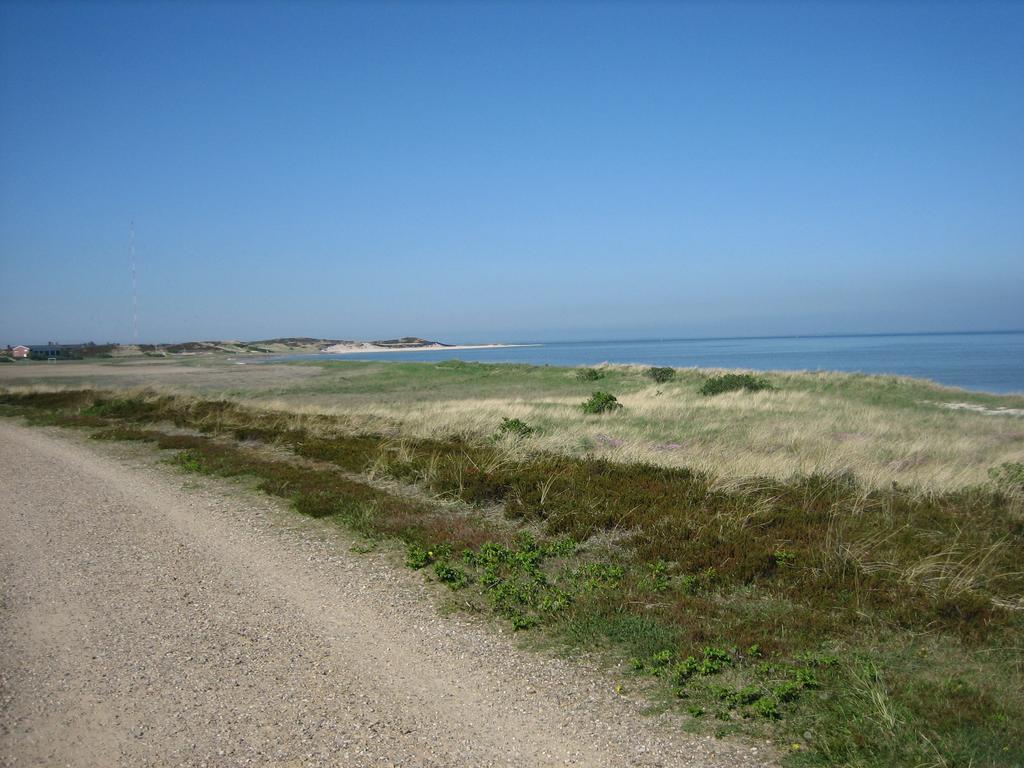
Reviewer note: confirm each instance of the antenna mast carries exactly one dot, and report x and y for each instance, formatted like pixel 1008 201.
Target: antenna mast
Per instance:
pixel 135 291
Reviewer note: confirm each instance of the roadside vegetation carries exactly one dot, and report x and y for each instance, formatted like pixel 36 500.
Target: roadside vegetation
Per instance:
pixel 858 624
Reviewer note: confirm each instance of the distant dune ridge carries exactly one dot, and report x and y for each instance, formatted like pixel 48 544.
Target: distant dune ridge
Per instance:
pixel 284 345
pixel 404 344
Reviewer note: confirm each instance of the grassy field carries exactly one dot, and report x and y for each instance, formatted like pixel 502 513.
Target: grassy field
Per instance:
pixel 883 429
pixel 830 562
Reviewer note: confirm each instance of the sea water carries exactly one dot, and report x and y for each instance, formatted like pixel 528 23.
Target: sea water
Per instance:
pixel 988 362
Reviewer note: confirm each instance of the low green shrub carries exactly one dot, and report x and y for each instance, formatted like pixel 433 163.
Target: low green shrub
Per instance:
pixel 191 461
pixel 514 582
pixel 660 375
pixel 766 709
pixel 454 577
pixel 417 556
pixel 787 691
pixel 784 557
pixel 589 374
pixel 731 382
pixel 514 427
pixel 601 402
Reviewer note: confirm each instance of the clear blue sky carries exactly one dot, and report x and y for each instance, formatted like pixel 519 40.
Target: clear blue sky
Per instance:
pixel 488 171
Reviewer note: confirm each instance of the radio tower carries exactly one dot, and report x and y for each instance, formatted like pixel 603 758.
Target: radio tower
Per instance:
pixel 135 291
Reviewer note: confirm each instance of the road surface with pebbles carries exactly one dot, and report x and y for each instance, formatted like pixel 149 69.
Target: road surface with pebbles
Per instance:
pixel 149 618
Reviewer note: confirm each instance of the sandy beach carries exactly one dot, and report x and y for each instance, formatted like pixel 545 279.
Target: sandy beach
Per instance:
pixel 348 349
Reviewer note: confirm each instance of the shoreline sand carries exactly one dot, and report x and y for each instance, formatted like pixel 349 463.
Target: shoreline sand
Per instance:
pixel 350 349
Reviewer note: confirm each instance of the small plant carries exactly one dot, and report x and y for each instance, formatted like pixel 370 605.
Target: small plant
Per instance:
pixel 805 678
pixel 822 660
pixel 784 557
pixel 662 659
pixel 589 374
pixel 684 670
pixel 732 382
pixel 190 460
pixel 456 578
pixel 417 557
pixel 714 661
pixel 717 654
pixel 601 402
pixel 514 427
pixel 660 375
pixel 658 579
pixel 766 709
pixel 594 577
pixel 748 694
pixel 691 584
pixel 709 667
pixel 523 621
pixel 787 691
pixel 564 547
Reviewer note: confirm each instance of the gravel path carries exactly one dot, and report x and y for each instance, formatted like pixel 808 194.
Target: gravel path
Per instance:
pixel 151 619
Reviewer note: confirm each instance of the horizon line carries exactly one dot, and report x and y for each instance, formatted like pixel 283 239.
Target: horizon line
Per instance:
pixel 839 335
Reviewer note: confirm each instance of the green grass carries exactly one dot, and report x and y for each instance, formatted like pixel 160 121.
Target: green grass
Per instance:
pixel 872 626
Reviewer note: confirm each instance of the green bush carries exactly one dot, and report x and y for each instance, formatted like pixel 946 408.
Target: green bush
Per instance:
pixel 589 374
pixel 601 402
pixel 660 375
pixel 731 382
pixel 456 578
pixel 514 427
pixel 767 709
pixel 417 556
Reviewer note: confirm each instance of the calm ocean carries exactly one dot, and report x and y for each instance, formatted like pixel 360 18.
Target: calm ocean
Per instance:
pixel 989 362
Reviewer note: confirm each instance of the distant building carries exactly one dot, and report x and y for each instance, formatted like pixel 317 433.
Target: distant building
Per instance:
pixel 53 351
pixel 20 351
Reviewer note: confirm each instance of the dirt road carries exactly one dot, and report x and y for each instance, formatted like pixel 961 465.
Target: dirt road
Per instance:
pixel 152 619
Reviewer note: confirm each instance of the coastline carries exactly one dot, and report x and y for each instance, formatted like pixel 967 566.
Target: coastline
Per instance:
pixel 352 349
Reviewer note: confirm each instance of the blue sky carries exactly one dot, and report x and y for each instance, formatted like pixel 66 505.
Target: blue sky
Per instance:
pixel 527 171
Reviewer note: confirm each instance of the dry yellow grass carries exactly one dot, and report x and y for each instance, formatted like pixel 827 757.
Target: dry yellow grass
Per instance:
pixel 883 429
